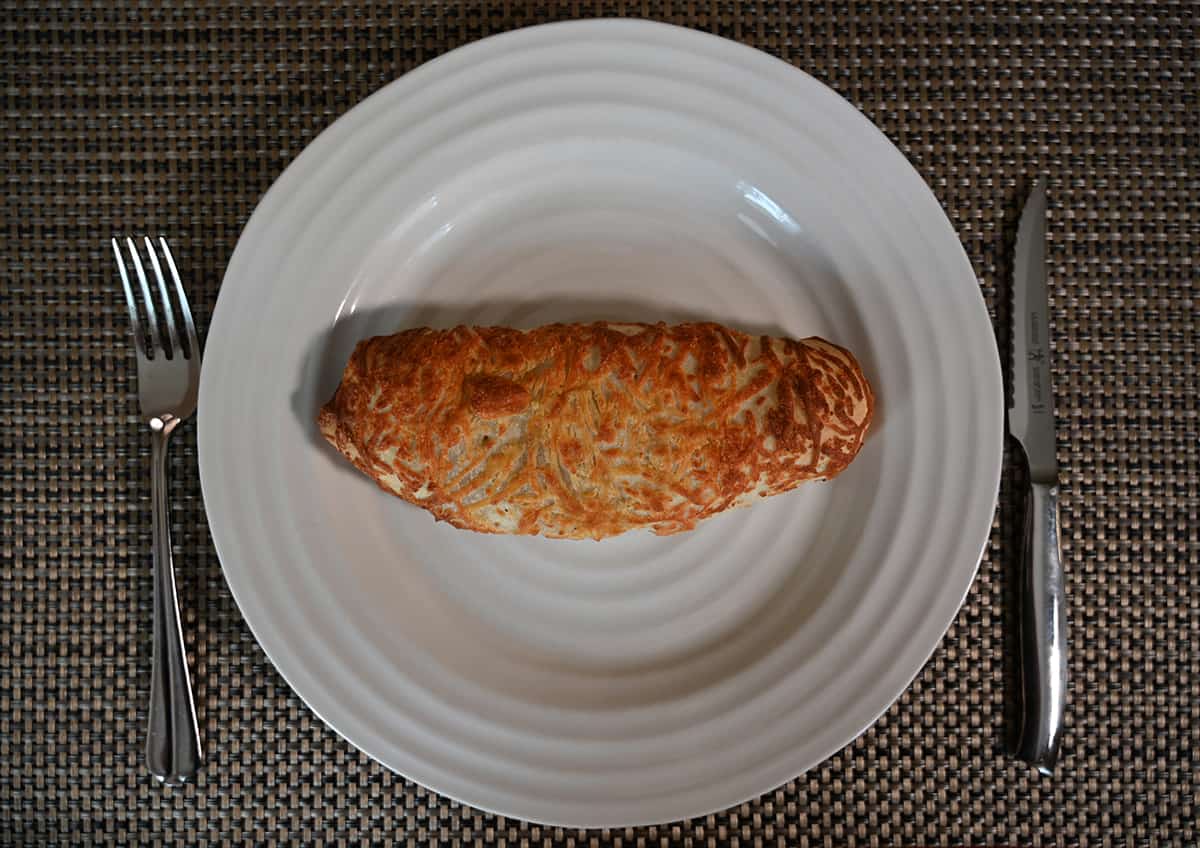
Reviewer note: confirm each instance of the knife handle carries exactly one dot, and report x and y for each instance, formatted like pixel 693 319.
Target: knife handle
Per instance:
pixel 1043 631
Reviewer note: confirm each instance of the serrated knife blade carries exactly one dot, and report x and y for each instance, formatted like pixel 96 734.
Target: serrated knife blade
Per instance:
pixel 1031 415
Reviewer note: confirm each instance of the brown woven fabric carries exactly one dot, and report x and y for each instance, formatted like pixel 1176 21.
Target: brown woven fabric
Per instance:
pixel 132 118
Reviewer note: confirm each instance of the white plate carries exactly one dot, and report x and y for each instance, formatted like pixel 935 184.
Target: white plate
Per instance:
pixel 601 170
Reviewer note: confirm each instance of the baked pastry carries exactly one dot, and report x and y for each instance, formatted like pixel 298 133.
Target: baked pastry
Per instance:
pixel 589 430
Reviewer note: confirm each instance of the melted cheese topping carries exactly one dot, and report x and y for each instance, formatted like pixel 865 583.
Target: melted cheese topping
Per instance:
pixel 578 431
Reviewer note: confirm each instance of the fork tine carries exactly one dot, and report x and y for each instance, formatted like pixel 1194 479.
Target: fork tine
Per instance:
pixel 193 341
pixel 135 322
pixel 155 337
pixel 166 300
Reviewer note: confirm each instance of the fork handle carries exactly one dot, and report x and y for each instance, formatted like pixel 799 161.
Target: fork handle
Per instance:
pixel 173 738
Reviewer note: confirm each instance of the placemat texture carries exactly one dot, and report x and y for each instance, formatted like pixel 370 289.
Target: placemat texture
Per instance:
pixel 136 117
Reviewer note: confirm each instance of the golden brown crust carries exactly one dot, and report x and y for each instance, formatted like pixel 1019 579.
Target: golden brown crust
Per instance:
pixel 578 431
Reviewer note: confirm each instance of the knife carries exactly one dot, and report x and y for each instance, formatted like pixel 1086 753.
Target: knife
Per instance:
pixel 1031 422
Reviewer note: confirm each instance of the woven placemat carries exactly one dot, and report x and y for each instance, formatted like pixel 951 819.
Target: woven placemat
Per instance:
pixel 129 118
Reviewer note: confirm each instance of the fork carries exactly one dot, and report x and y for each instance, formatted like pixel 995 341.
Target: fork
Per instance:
pixel 168 373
